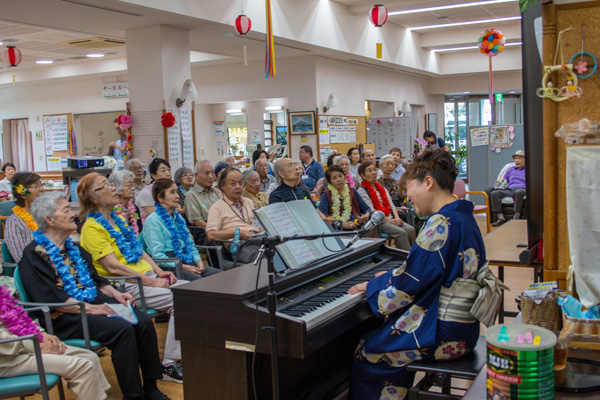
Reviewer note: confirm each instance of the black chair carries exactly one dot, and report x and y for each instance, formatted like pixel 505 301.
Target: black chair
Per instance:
pixel 441 373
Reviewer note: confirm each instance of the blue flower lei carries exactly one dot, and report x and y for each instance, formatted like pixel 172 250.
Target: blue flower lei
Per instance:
pixel 181 240
pixel 126 240
pixel 233 247
pixel 88 290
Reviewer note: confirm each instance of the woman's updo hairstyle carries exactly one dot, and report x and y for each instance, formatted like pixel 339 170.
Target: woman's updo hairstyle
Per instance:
pixel 159 187
pixel 438 164
pixel 26 179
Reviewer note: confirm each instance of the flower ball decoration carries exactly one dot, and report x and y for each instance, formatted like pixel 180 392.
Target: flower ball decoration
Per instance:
pixel 491 42
pixel 124 121
pixel 167 120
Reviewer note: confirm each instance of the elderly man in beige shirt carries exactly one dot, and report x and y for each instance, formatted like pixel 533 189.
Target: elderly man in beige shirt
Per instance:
pixel 231 212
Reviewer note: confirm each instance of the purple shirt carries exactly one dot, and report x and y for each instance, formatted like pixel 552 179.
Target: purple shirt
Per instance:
pixel 515 177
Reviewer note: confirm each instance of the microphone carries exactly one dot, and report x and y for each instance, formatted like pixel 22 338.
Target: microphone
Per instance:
pixel 376 219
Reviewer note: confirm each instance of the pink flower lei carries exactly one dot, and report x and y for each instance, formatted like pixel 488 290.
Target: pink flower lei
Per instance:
pixel 14 318
pixel 131 216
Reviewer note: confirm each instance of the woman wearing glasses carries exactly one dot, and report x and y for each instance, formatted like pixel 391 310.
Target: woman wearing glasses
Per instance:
pixel 18 233
pixel 123 182
pixel 184 179
pixel 116 251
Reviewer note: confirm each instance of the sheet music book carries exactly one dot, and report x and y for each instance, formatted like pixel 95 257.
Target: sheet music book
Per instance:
pixel 298 218
pixel 124 312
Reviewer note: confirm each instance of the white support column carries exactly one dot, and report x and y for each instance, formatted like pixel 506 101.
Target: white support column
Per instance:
pixel 158 63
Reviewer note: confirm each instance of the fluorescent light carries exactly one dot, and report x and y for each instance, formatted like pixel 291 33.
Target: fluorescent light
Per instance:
pixel 473 47
pixel 448 7
pixel 44 62
pixel 94 55
pixel 513 91
pixel 482 21
pixel 234 110
pixel 1 43
pixel 467 92
pixel 273 108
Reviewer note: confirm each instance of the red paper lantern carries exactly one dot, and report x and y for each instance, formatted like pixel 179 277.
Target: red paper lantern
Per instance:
pixel 378 15
pixel 11 56
pixel 243 24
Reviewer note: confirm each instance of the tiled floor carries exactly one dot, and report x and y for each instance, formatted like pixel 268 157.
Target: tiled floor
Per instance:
pixel 517 279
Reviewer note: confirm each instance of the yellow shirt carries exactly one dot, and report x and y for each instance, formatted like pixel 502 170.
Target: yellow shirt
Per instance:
pixel 97 241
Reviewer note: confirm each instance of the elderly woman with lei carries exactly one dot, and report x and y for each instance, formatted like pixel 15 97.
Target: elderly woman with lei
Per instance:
pixel 165 233
pixel 18 232
pixel 116 251
pixel 79 367
pixel 431 305
pixel 342 203
pixel 55 270
pixel 124 185
pixel 378 199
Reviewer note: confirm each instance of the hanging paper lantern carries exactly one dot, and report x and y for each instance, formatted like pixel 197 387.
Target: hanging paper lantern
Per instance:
pixel 243 24
pixel 378 15
pixel 491 42
pixel 11 56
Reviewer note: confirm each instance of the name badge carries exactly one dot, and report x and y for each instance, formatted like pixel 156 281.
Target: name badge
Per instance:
pixel 305 176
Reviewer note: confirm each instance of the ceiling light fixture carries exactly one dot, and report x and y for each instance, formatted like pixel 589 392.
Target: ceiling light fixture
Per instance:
pixel 94 55
pixel 234 111
pixel 273 108
pixel 473 47
pixel 44 62
pixel 450 6
pixel 482 21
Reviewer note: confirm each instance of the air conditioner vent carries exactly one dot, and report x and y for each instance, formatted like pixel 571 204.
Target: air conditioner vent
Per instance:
pixel 95 43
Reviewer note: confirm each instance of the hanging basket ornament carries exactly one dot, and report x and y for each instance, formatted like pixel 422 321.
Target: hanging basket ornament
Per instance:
pixel 11 56
pixel 378 15
pixel 243 24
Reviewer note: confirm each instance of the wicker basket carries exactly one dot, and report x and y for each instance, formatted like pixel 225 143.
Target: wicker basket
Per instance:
pixel 546 314
pixel 581 329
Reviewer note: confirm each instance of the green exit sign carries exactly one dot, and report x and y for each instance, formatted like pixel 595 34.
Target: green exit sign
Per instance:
pixel 498 97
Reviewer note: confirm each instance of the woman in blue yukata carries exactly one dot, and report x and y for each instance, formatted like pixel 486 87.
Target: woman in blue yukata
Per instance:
pixel 422 320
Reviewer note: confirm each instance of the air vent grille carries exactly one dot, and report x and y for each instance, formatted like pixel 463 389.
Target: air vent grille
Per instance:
pixel 95 43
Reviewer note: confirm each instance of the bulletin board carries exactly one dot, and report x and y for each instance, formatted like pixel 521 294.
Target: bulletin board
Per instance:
pixel 387 133
pixel 56 132
pixel 348 132
pixel 558 18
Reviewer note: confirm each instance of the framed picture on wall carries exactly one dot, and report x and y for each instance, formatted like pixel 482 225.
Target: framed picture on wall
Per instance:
pixel 432 122
pixel 281 132
pixel 302 123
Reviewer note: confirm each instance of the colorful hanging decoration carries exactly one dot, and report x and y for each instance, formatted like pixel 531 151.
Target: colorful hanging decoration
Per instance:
pixel 378 15
pixel 72 142
pixel 548 91
pixel 11 56
pixel 583 62
pixel 243 24
pixel 491 43
pixel 270 70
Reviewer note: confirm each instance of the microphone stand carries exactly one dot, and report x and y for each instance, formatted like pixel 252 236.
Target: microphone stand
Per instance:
pixel 269 243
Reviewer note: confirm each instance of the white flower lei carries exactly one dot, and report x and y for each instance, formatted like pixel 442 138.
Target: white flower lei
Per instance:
pixel 335 203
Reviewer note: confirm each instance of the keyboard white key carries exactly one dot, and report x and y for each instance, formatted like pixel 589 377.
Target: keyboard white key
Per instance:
pixel 328 309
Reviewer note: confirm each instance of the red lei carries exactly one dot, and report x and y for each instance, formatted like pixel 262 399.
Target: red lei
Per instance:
pixel 386 208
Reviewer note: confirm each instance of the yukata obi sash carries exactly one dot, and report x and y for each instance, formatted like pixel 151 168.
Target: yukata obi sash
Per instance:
pixel 471 300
